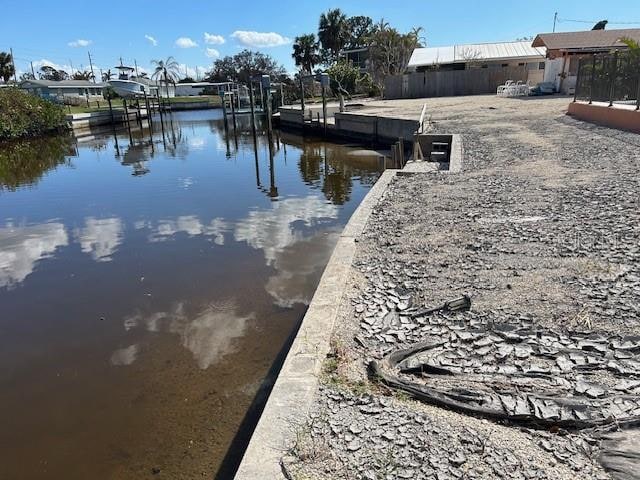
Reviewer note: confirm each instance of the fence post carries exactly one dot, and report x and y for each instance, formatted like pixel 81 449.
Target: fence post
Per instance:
pixel 613 78
pixel 593 79
pixel 638 94
pixel 575 93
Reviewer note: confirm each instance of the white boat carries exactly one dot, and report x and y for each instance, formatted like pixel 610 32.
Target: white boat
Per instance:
pixel 125 86
pixel 129 88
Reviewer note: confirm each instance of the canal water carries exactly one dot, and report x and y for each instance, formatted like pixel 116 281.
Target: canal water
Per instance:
pixel 148 283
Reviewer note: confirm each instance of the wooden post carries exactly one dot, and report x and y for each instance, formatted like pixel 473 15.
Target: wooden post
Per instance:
pixel 233 114
pixel 324 108
pixel 302 97
pixel 253 118
pixel 126 115
pixel 401 151
pixel 612 86
pixel 111 111
pixel 224 109
pixel 160 112
pixel 281 95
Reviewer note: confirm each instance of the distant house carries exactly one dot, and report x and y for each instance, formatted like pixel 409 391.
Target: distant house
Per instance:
pixel 358 57
pixel 564 51
pixel 202 88
pixel 65 91
pixel 480 55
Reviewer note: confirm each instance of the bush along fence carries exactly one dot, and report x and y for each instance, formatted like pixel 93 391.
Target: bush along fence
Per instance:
pixel 612 78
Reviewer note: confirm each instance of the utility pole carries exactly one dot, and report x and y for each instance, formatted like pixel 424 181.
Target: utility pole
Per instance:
pixel 135 63
pixel 555 19
pixel 13 62
pixel 32 72
pixel 91 65
pixel 71 65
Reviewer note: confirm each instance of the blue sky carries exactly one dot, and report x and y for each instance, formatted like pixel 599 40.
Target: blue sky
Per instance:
pixel 62 33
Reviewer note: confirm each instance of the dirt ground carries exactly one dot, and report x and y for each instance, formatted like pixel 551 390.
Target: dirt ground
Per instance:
pixel 541 231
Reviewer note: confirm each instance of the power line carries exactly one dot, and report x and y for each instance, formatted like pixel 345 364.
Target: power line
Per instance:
pixel 596 21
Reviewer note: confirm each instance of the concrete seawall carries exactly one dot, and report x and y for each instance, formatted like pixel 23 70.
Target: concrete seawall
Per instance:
pixel 294 390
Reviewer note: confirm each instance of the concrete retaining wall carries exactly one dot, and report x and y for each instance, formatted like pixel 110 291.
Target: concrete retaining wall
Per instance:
pixel 95 119
pixel 375 128
pixel 602 114
pixel 294 390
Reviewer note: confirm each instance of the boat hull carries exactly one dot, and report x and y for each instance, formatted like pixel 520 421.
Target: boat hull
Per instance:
pixel 129 88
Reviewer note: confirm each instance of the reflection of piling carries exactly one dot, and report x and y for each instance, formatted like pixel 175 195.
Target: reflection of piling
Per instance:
pixel 273 190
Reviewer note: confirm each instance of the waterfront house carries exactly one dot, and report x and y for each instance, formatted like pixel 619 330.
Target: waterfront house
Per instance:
pixel 65 91
pixel 492 56
pixel 564 51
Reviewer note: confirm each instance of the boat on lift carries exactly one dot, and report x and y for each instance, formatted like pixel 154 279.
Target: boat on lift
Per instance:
pixel 125 86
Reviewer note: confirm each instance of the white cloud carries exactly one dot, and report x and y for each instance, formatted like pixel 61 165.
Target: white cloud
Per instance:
pixel 260 39
pixel 45 62
pixel 22 247
pixel 212 39
pixel 185 42
pixel 100 237
pixel 151 40
pixel 212 53
pixel 80 43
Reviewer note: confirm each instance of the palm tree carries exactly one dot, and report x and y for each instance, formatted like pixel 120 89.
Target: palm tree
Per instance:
pixel 305 52
pixel 83 75
pixel 168 70
pixel 106 76
pixel 333 32
pixel 6 66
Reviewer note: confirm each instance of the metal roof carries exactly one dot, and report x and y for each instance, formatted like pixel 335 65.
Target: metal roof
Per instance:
pixel 475 51
pixel 589 39
pixel 64 83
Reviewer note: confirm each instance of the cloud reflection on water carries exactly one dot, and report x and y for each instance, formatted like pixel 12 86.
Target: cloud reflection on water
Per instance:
pixel 208 334
pixel 21 247
pixel 100 237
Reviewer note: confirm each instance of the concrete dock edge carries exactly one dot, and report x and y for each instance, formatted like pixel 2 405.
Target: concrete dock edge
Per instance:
pixel 297 382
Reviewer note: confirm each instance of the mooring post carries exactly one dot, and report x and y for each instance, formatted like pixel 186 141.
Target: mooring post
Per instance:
pixel 113 122
pixel 266 86
pixel 161 119
pixel 224 109
pixel 148 107
pixel 302 98
pixel 233 114
pixel 253 118
pixel 324 82
pixel 126 115
pixel 401 151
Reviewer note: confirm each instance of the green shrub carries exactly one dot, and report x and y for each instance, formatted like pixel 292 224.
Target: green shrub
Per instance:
pixel 26 115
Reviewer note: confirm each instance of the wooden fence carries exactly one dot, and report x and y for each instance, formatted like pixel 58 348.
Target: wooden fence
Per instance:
pixel 438 83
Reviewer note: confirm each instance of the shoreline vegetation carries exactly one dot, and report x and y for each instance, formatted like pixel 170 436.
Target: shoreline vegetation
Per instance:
pixel 23 115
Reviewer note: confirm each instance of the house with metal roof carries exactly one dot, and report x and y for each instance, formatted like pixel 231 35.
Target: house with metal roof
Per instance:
pixel 565 49
pixel 65 91
pixel 479 55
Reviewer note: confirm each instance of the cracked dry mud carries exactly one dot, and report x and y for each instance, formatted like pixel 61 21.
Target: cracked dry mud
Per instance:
pixel 542 231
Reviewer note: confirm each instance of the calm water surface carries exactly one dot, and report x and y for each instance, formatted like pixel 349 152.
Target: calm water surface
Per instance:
pixel 148 285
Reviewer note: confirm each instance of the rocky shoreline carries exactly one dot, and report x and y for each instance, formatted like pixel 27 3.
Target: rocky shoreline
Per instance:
pixel 542 231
